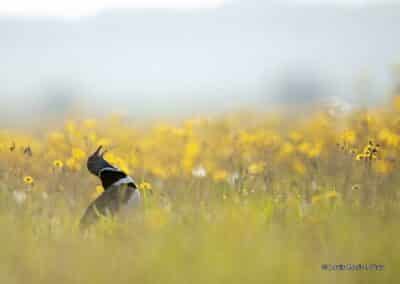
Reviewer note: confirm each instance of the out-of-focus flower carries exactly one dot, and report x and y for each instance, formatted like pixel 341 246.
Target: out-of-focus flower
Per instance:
pixel 145 186
pixel 28 180
pixel 316 199
pixel 73 164
pixel 19 196
pixel 256 168
pixel 287 149
pixel 304 147
pixel 383 167
pixel 45 196
pixel 299 167
pixel 159 172
pixel 220 175
pixel 369 153
pixel 56 137
pixel 332 194
pixel 389 137
pixel 78 154
pixel 58 164
pixel 360 157
pixel 295 136
pixel 191 152
pixel 104 141
pixel 348 137
pixel 199 172
pixel 315 151
pixel 97 192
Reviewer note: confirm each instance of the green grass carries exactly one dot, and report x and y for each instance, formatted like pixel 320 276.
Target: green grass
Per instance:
pixel 199 237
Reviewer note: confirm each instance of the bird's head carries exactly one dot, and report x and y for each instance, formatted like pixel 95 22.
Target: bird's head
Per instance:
pixel 96 161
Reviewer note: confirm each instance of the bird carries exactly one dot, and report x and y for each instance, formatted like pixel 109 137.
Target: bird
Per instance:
pixel 120 190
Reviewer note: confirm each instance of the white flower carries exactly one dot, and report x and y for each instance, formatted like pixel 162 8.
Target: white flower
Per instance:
pixel 314 186
pixel 19 196
pixel 45 195
pixel 199 172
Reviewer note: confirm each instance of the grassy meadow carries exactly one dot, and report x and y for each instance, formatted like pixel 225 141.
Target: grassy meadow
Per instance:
pixel 245 197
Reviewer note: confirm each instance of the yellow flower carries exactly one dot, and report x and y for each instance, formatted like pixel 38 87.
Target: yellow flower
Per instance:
pixel 118 161
pixel 287 149
pixel 191 152
pixel 316 199
pixel 220 175
pixel 159 172
pixel 315 151
pixel 304 147
pixel 299 167
pixel 98 191
pixel 58 164
pixel 383 167
pixel 28 180
pixel 104 141
pixel 360 157
pixel 56 137
pixel 73 165
pixel 389 137
pixel 192 149
pixel 331 194
pixel 295 136
pixel 145 186
pixel 349 137
pixel 78 154
pixel 256 168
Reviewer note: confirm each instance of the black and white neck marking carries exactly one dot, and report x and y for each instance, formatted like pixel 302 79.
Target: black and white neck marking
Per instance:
pixel 115 177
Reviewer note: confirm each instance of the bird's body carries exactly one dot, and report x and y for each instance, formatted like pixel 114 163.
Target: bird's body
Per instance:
pixel 120 190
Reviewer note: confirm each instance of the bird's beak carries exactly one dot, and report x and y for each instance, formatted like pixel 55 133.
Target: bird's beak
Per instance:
pixel 97 153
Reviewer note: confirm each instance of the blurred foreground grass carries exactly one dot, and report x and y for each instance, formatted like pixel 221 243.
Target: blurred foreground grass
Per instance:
pixel 252 239
pixel 242 198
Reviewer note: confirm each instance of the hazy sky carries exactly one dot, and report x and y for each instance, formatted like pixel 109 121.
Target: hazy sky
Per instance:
pixel 221 54
pixel 77 8
pixel 90 7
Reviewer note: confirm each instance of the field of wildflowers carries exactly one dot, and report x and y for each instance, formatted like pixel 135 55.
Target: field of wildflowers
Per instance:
pixel 237 198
